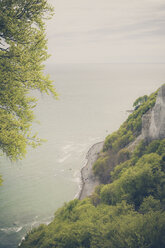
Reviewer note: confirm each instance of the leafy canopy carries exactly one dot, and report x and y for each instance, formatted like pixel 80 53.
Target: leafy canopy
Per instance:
pixel 23 49
pixel 140 101
pixel 125 211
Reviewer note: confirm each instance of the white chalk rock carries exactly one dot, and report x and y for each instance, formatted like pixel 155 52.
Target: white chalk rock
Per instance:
pixel 153 122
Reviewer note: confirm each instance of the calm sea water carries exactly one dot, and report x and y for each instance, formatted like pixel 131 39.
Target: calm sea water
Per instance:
pixel 93 100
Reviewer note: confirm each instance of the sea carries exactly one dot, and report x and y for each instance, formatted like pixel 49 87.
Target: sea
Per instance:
pixel 93 102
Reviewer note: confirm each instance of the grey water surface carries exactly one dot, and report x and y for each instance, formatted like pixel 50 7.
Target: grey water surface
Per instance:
pixel 93 99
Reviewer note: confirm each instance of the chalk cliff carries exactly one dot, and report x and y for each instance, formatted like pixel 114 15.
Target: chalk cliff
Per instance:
pixel 153 122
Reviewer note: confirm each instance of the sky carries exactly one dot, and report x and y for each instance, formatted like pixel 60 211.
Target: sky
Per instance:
pixel 107 31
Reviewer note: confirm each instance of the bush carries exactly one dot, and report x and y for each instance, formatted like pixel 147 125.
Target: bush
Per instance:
pixel 123 155
pixel 100 169
pixel 135 183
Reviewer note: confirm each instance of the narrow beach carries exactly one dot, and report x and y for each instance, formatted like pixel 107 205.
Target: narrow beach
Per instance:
pixel 89 182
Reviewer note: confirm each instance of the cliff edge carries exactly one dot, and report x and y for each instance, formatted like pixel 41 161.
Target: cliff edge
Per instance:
pixel 153 122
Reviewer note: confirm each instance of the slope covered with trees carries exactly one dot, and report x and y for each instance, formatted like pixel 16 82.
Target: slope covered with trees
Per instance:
pixel 127 210
pixel 115 146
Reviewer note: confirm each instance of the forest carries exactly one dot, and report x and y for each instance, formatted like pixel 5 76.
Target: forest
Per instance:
pixel 127 208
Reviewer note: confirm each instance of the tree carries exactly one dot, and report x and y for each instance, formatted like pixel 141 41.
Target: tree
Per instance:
pixel 23 49
pixel 140 101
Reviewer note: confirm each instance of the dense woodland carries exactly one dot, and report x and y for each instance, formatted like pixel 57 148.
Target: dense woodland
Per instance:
pixel 127 209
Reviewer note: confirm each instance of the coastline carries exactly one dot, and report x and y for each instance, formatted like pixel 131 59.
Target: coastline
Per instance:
pixel 88 180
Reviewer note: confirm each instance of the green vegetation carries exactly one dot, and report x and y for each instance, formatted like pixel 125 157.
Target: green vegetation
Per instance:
pixel 131 128
pixel 136 182
pixel 139 101
pixel 127 212
pixel 22 51
pixel 115 144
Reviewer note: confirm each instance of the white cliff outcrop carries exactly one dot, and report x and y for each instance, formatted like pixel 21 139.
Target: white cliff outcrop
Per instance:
pixel 153 122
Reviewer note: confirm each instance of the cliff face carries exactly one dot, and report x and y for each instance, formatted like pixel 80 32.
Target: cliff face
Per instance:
pixel 153 122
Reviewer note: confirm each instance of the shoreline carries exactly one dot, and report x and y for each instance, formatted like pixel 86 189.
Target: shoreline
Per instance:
pixel 88 180
pixel 87 186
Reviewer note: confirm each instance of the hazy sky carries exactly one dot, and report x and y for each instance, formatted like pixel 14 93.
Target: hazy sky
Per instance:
pixel 110 31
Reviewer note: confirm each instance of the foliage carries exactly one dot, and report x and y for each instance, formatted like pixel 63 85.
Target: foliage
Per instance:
pixel 116 143
pixel 123 155
pixel 1 180
pixel 128 212
pixel 23 49
pixel 137 182
pixel 140 100
pixel 106 163
pixel 131 128
pixel 101 167
pixel 100 227
pixel 150 204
